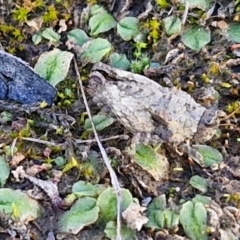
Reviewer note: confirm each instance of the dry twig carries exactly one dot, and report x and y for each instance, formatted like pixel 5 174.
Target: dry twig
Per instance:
pixel 113 175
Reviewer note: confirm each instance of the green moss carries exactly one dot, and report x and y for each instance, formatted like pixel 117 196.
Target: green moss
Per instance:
pixel 20 14
pixel 6 29
pixel 50 15
pixel 12 31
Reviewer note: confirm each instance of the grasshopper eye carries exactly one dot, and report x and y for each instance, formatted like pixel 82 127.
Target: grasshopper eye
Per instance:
pixel 209 122
pixel 210 118
pixel 96 79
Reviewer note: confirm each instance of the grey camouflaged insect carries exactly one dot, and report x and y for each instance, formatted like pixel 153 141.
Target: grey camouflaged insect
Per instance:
pixel 144 106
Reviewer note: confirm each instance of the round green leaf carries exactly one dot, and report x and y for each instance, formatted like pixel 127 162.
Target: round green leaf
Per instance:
pixel 82 188
pixel 119 61
pixel 6 117
pixel 210 155
pixel 233 32
pixel 196 37
pixel 193 217
pixel 36 38
pixel 100 23
pixel 4 171
pixel 107 203
pixel 83 213
pixel 201 4
pixel 172 25
pixel 96 9
pixel 60 161
pixel 128 28
pixel 163 219
pixel 50 35
pixel 157 165
pixel 100 122
pixel 126 233
pixel 94 50
pixel 15 201
pixel 203 199
pixel 54 65
pixel 199 183
pixel 78 36
pixel 155 212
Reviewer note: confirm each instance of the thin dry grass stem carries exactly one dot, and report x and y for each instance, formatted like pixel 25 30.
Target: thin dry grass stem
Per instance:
pixel 31 140
pixel 113 175
pixel 40 141
pixel 102 139
pixel 231 114
pixel 184 17
pixel 228 124
pixel 13 146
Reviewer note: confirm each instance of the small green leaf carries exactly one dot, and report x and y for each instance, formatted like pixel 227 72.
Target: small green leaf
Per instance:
pixel 96 9
pixel 172 25
pixel 199 183
pixel 162 3
pixel 163 219
pixel 171 219
pixel 158 203
pixel 15 201
pixel 119 61
pixel 140 37
pixel 155 220
pixel 9 151
pixel 60 161
pixel 200 198
pixel 233 32
pixel 155 212
pixel 201 4
pixel 226 84
pixel 107 203
pixel 128 28
pixel 78 36
pixel 4 171
pixel 196 37
pixel 160 217
pixel 6 117
pixel 54 65
pixel 100 122
pixel 193 217
pixel 157 165
pixel 83 213
pixel 210 155
pixel 126 233
pixel 85 189
pixel 94 50
pixel 37 38
pixel 100 23
pixel 50 35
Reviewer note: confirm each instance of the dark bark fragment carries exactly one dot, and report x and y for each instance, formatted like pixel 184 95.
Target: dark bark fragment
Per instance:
pixel 20 83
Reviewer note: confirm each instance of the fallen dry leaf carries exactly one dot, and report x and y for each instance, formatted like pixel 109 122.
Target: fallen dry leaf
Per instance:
pixel 16 159
pixel 63 26
pixel 47 186
pixel 134 217
pixel 35 23
pixel 35 169
pixel 47 151
pixel 222 25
